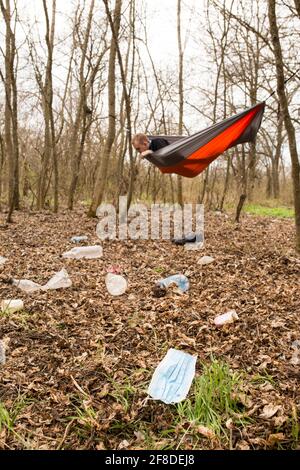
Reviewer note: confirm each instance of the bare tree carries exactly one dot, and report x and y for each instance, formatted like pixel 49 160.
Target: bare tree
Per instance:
pixel 2 154
pixel 180 92
pixel 290 129
pixel 11 110
pixel 126 91
pixel 83 114
pixel 101 178
pixel 49 154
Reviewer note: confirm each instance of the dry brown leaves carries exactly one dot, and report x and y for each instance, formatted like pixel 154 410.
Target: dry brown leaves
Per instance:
pixel 81 335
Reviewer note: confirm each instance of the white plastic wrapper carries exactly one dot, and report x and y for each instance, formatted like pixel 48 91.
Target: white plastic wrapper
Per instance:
pixel 205 260
pixel 225 318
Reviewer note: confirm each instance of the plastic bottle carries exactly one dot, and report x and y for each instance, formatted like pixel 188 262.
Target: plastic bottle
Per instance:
pixel 12 305
pixel 116 284
pixel 26 285
pixel 88 252
pixel 2 352
pixel 180 280
pixel 225 318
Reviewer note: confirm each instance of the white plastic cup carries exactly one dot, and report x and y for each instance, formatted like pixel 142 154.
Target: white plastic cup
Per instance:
pixel 11 306
pixel 116 284
pixel 228 317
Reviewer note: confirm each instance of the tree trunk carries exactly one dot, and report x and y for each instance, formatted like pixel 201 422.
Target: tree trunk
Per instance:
pixel 269 186
pixel 242 185
pixel 239 207
pixel 286 115
pixel 101 179
pixel 82 122
pixel 275 160
pixel 180 90
pixel 297 6
pixel 46 89
pixel 11 113
pixel 226 183
pixel 126 92
pixel 205 183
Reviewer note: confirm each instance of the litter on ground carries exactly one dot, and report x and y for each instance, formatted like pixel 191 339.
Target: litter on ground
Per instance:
pixel 173 377
pixel 58 281
pixel 88 252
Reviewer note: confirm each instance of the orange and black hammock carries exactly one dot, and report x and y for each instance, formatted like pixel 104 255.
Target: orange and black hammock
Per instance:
pixel 189 156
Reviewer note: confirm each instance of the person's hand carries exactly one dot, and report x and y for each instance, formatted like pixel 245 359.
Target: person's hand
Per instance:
pixel 146 153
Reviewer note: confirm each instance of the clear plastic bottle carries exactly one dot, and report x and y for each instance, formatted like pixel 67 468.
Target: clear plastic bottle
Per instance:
pixel 26 285
pixel 88 252
pixel 180 280
pixel 228 317
pixel 116 284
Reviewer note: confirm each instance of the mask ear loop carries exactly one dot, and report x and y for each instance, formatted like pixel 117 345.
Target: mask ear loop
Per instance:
pixel 145 401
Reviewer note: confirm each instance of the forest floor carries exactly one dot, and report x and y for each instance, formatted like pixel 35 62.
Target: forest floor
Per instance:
pixel 79 361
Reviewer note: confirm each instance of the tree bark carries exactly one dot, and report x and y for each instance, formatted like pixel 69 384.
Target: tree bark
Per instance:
pixel 239 207
pixel 276 158
pixel 226 185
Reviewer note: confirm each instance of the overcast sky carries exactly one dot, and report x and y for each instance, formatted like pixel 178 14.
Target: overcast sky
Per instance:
pixel 161 21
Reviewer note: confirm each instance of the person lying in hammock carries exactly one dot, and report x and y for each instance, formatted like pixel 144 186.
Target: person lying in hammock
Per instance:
pixel 190 155
pixel 145 146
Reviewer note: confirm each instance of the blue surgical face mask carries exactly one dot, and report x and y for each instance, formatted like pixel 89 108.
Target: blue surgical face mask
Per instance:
pixel 173 377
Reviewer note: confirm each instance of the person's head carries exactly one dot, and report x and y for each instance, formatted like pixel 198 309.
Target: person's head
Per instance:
pixel 140 142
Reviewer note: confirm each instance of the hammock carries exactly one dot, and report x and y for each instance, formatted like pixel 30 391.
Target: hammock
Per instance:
pixel 189 156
